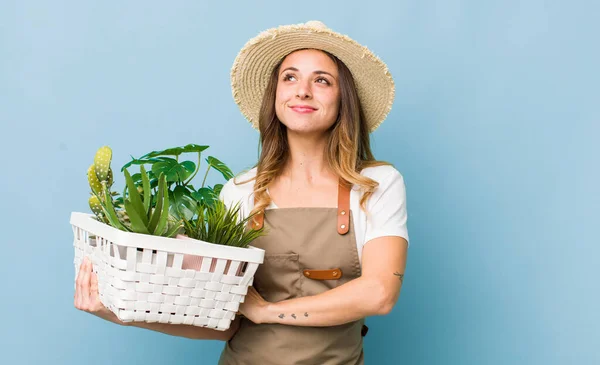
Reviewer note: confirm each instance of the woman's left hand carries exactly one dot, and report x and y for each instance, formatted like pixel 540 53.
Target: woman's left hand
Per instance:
pixel 254 307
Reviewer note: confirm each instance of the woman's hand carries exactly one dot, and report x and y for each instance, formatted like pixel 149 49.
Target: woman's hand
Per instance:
pixel 86 294
pixel 255 308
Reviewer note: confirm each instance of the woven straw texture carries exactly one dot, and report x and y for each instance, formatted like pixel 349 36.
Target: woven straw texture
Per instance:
pixel 253 65
pixel 167 280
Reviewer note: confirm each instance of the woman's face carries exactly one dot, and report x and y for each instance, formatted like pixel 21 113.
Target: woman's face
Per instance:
pixel 308 93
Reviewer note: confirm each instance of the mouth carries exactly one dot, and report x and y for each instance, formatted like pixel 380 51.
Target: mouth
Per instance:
pixel 303 109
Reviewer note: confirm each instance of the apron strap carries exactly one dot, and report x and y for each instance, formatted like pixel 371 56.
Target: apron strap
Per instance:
pixel 343 207
pixel 343 222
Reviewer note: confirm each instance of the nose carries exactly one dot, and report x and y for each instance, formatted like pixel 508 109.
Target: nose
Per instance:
pixel 303 92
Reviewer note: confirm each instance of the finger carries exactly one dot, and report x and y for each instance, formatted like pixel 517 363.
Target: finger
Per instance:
pixel 94 287
pixel 79 273
pixel 78 284
pixel 94 297
pixel 93 284
pixel 85 286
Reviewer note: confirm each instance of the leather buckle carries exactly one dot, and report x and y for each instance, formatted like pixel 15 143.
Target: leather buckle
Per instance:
pixel 331 274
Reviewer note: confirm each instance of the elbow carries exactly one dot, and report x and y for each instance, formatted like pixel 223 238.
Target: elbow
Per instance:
pixel 384 307
pixel 384 301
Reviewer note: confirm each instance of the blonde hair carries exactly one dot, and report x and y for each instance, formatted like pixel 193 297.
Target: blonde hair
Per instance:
pixel 348 149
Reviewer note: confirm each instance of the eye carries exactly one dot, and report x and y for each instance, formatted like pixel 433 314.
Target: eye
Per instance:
pixel 323 79
pixel 286 77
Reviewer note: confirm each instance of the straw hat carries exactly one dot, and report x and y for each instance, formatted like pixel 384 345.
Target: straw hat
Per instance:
pixel 253 66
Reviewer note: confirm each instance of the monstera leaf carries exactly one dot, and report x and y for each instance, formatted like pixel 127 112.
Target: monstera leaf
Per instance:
pixel 220 166
pixel 183 205
pixel 176 151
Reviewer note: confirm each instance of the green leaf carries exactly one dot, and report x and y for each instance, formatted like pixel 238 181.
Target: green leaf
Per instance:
pixel 197 196
pixel 183 203
pixel 140 161
pixel 109 210
pixel 137 223
pixel 155 217
pixel 135 199
pixel 173 171
pixel 119 201
pixel 217 189
pixel 147 190
pixel 164 215
pixel 189 168
pixel 222 225
pixel 174 229
pixel 176 151
pixel 205 195
pixel 220 166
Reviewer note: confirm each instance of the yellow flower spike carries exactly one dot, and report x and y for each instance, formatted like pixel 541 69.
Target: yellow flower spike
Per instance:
pixel 95 205
pixel 93 180
pixel 102 162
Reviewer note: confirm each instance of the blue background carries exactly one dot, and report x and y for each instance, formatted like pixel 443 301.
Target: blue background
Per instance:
pixel 495 129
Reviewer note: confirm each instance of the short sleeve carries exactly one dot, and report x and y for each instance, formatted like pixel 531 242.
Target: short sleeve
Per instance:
pixel 386 209
pixel 226 191
pixel 231 195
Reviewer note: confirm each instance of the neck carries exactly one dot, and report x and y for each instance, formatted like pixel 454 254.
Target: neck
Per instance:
pixel 307 164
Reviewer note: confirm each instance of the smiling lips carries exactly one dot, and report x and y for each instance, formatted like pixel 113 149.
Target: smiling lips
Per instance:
pixel 303 108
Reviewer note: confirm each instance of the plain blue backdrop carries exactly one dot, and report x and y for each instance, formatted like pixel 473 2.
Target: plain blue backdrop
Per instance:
pixel 495 128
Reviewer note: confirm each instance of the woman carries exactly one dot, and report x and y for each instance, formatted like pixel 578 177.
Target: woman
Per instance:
pixel 315 95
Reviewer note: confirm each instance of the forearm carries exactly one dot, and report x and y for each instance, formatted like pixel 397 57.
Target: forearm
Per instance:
pixel 351 301
pixel 183 330
pixel 179 330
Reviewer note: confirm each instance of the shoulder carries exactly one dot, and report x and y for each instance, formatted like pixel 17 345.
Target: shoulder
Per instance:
pixel 391 186
pixel 238 188
pixel 385 175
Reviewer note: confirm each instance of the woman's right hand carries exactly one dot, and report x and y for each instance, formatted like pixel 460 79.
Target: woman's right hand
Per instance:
pixel 87 298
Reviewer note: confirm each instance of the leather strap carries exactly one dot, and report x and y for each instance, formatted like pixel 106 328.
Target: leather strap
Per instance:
pixel 331 274
pixel 257 221
pixel 343 208
pixel 343 222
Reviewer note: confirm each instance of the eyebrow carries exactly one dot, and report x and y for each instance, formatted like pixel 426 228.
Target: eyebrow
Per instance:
pixel 318 72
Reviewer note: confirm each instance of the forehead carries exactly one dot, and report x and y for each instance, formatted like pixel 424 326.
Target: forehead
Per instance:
pixel 309 60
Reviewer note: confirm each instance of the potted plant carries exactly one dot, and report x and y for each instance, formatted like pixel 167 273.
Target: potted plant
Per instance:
pixel 163 250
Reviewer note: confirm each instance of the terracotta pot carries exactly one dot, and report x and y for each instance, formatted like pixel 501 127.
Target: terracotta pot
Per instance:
pixel 195 262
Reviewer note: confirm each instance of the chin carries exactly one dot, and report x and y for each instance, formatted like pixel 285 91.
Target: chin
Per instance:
pixel 305 129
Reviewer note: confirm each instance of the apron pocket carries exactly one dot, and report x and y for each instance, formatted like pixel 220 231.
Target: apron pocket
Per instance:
pixel 278 278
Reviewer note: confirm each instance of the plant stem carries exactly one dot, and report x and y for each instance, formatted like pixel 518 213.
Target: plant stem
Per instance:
pixel 124 190
pixel 195 172
pixel 205 175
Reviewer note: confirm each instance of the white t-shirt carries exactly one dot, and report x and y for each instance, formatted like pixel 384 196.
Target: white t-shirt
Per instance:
pixel 386 207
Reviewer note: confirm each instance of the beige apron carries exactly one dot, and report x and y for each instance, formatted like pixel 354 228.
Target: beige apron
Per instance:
pixel 304 255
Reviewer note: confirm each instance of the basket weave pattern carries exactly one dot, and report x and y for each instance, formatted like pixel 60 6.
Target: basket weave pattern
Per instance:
pixel 155 284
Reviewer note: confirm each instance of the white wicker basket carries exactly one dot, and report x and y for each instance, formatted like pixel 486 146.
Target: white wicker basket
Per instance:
pixel 150 284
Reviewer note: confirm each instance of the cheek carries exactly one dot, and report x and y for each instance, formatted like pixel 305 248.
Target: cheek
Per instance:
pixel 333 104
pixel 280 101
pixel 281 97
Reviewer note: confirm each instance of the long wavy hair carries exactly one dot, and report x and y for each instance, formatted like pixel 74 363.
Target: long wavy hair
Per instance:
pixel 348 148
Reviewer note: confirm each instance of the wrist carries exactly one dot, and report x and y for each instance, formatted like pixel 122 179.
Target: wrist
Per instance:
pixel 108 315
pixel 270 313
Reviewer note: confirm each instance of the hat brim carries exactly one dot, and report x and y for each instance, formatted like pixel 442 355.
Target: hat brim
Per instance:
pixel 254 64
